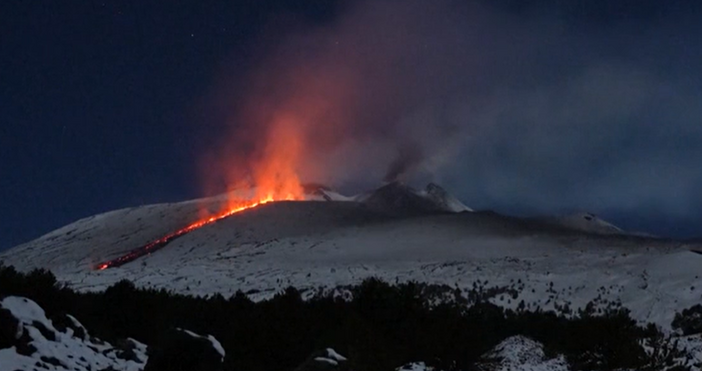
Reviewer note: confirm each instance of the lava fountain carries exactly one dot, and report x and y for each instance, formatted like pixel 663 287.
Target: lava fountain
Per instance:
pixel 272 177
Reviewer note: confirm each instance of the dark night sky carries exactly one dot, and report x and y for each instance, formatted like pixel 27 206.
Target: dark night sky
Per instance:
pixel 108 105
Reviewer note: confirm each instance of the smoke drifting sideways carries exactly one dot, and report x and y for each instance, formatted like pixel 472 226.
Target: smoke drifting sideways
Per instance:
pixel 533 109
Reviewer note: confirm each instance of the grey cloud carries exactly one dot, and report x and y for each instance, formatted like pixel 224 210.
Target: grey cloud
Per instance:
pixel 540 108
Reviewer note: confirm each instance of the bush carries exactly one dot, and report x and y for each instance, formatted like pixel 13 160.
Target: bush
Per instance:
pixel 689 322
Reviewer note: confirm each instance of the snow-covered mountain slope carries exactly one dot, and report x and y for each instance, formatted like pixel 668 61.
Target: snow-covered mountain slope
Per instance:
pixel 396 198
pixel 40 345
pixel 446 200
pixel 317 244
pixel 585 222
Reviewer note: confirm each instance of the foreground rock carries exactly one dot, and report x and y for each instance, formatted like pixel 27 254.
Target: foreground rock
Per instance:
pixel 516 353
pixel 325 360
pixel 31 341
pixel 521 353
pixel 183 350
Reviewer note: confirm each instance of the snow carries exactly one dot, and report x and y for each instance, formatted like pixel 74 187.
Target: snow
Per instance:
pixel 215 343
pixel 693 346
pixel 75 323
pixel 327 360
pixel 331 357
pixel 26 311
pixel 329 244
pixel 332 354
pixel 588 222
pixel 546 264
pixel 217 346
pixel 447 201
pixel 415 366
pixel 67 351
pixel 690 346
pixel 329 195
pixel 519 353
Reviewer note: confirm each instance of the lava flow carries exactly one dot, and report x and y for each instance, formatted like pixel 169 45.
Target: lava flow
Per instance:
pixel 159 243
pixel 272 177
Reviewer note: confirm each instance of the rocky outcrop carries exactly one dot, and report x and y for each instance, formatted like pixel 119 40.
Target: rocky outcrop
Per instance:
pixel 64 322
pixel 10 329
pixel 183 350
pixel 518 353
pixel 325 360
pixel 30 341
pixel 444 200
pixel 415 366
pixel 398 198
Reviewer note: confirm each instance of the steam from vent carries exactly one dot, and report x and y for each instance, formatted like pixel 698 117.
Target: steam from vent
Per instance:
pixel 409 156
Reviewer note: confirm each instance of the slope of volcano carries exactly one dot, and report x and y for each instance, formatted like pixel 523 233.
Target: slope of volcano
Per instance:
pixel 324 245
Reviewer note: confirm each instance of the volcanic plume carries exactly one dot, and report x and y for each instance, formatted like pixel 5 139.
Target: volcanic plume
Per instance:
pixel 328 105
pixel 345 103
pixel 310 117
pixel 337 102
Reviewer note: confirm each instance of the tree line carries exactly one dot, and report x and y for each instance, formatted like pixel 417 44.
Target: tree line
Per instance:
pixel 379 326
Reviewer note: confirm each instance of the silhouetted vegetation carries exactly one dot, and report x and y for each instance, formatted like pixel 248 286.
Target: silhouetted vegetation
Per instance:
pixel 689 322
pixel 382 327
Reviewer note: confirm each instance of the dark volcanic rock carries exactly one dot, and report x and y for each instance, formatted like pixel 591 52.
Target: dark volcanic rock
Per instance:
pixel 126 349
pixel 24 346
pixel 397 198
pixel 689 321
pixel 10 329
pixel 63 322
pixel 47 333
pixel 181 350
pixel 53 361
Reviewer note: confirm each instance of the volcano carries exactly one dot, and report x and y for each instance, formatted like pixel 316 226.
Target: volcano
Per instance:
pixel 325 240
pixel 391 198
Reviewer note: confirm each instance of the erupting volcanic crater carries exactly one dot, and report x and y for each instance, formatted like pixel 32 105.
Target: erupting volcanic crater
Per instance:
pixel 392 198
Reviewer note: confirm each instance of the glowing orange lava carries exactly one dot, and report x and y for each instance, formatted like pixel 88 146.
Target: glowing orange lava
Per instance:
pixel 273 178
pixel 154 245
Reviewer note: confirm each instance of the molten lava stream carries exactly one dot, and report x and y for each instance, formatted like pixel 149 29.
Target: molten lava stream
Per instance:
pixel 273 178
pixel 163 241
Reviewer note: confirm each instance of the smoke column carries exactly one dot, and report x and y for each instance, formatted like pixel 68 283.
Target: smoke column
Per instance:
pixel 409 156
pixel 547 107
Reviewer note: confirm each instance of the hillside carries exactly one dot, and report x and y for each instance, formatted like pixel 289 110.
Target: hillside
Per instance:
pixel 322 245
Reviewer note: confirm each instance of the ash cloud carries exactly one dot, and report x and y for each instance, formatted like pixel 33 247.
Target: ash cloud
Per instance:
pixel 409 156
pixel 528 106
